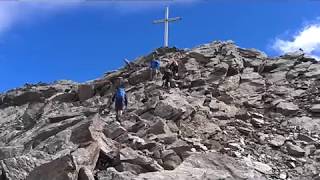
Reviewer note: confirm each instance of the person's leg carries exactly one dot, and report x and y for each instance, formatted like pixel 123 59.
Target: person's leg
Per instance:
pixel 167 83
pixel 117 115
pixel 176 72
pixel 151 74
pixel 170 83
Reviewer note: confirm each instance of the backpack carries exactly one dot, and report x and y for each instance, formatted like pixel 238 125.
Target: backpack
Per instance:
pixel 155 64
pixel 167 74
pixel 120 94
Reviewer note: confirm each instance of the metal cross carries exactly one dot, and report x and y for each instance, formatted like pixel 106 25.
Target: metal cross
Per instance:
pixel 166 21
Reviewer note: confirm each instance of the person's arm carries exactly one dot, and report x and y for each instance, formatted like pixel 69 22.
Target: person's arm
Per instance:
pixel 114 96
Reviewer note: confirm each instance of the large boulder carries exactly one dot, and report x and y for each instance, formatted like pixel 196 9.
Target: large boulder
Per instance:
pixel 307 123
pixel 313 71
pixel 10 151
pixel 170 159
pixel 207 166
pixel 113 174
pixel 62 168
pixel 18 98
pixel 287 108
pixel 160 127
pixel 173 107
pixel 130 156
pixel 315 108
pixel 295 150
pixel 139 76
pixel 85 91
pixel 85 174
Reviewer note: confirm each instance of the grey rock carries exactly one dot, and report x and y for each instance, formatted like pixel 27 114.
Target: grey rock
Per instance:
pixel 287 108
pixel 306 138
pixel 64 97
pixel 85 174
pixel 173 107
pixel 170 159
pixel 182 148
pixel 283 175
pixel 160 127
pixel 85 92
pixel 114 130
pixel 208 166
pixel 293 55
pixel 55 170
pixel 10 151
pixel 295 150
pixel 165 138
pixel 263 168
pixel 130 156
pixel 244 130
pixel 277 141
pixel 228 100
pixel 313 71
pixel 257 122
pixel 132 168
pixel 259 166
pixel 307 123
pixel 315 108
pixel 198 82
pixel 113 174
pixel 139 76
pixel 61 117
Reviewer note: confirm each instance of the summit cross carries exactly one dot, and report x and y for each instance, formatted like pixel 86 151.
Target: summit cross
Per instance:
pixel 166 22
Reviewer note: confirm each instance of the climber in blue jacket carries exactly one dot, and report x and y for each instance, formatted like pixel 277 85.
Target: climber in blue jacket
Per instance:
pixel 121 101
pixel 154 68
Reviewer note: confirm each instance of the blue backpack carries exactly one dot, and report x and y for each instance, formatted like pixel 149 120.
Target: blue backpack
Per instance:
pixel 120 94
pixel 155 64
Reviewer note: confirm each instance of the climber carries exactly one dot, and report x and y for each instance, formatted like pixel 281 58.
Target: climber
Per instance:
pixel 154 68
pixel 121 100
pixel 261 66
pixel 302 54
pixel 131 65
pixel 128 63
pixel 174 67
pixel 167 78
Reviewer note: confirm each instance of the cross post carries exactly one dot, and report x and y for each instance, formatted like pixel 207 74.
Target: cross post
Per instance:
pixel 166 22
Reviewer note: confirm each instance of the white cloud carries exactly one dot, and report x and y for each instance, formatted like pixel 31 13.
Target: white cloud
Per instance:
pixel 307 39
pixel 15 12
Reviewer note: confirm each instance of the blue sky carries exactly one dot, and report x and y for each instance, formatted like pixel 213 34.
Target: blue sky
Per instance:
pixel 80 40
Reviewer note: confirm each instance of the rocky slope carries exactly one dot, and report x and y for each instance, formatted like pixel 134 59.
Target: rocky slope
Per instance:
pixel 235 114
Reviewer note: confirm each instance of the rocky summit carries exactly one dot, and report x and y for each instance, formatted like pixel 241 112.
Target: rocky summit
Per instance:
pixel 232 113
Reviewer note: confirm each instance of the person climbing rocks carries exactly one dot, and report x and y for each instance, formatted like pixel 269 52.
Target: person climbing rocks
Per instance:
pixel 131 65
pixel 261 66
pixel 302 54
pixel 167 78
pixel 154 68
pixel 174 67
pixel 121 101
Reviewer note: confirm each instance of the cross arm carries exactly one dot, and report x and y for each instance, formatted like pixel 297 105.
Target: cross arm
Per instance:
pixel 167 20
pixel 158 21
pixel 174 19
